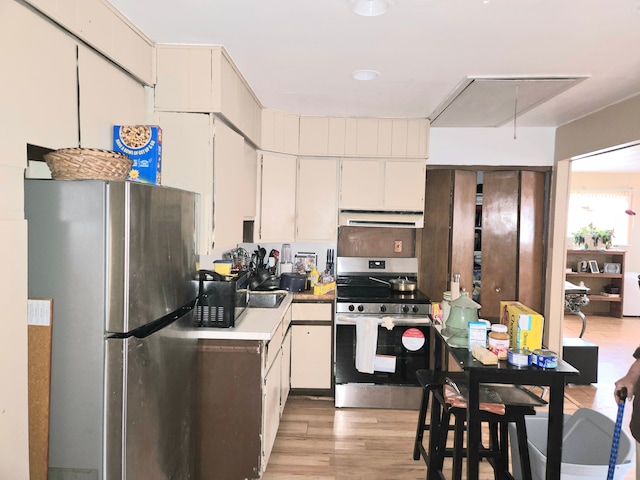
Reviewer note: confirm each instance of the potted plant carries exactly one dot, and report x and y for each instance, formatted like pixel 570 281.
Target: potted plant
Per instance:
pixel 591 236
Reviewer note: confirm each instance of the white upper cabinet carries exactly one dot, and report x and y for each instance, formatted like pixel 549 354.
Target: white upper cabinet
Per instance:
pixel 184 79
pixel 107 96
pixel 317 199
pixel 228 168
pixel 280 131
pixel 361 184
pixel 404 184
pixel 187 163
pixel 277 198
pixel 382 184
pixel 364 137
pixel 204 79
pixel 101 26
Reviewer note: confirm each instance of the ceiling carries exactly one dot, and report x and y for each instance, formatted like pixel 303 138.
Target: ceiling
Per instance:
pixel 298 55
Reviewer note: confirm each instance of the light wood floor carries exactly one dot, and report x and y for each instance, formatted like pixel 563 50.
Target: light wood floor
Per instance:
pixel 318 441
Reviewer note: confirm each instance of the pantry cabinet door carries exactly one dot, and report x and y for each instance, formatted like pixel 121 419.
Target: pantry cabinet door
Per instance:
pixel 277 198
pixel 530 241
pixel 500 199
pixel 447 241
pixel 317 199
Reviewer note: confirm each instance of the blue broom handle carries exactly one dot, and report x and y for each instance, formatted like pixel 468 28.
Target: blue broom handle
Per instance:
pixel 622 394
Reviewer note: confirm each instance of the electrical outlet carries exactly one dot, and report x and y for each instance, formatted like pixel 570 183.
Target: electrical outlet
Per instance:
pixel 397 246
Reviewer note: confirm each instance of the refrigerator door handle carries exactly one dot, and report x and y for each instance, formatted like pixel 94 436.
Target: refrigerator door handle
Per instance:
pixel 158 324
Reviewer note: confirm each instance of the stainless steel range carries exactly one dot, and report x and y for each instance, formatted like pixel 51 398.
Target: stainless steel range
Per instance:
pixel 381 335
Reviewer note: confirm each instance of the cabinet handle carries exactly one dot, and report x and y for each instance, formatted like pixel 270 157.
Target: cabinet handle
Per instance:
pixel 498 289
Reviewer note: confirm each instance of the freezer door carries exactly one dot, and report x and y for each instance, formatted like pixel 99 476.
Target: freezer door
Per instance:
pixel 151 253
pixel 150 405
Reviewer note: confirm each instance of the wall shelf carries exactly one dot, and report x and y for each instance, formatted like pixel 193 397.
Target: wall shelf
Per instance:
pixel 598 303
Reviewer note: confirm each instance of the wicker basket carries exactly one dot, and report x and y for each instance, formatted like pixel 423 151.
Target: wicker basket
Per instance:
pixel 87 164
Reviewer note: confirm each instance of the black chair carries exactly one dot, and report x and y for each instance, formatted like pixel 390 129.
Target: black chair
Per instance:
pixel 429 385
pixel 518 403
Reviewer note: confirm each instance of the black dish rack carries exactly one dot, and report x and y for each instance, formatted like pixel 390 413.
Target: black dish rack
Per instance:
pixel 221 299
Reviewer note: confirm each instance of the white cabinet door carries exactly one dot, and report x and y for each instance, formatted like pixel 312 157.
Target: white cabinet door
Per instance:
pixel 314 135
pixel 285 379
pixel 277 198
pixel 311 356
pixel 317 200
pixel 183 79
pixel 187 152
pixel 106 94
pixel 228 178
pixel 382 184
pixel 404 184
pixel 361 182
pixel 271 411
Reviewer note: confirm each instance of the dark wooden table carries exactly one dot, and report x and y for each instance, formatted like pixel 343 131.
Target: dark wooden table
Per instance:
pixel 441 356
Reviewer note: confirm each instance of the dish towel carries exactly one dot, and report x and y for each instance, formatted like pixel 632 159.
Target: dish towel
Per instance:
pixel 366 343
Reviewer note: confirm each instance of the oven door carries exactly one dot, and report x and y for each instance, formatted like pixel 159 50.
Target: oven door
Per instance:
pixel 401 351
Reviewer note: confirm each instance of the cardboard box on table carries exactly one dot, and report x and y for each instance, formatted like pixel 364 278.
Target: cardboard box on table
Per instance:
pixel 524 325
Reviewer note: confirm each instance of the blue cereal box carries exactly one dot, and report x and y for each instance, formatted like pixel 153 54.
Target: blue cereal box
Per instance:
pixel 143 145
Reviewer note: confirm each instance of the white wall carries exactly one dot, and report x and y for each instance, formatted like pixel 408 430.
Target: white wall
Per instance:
pixel 492 146
pixel 37 94
pixel 617 180
pixel 615 125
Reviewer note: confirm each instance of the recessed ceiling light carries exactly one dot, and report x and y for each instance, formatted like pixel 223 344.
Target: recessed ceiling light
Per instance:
pixel 365 74
pixel 370 8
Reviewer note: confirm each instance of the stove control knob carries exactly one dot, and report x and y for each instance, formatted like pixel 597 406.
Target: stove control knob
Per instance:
pixel 415 309
pixel 360 308
pixel 383 308
pixel 351 308
pixel 405 309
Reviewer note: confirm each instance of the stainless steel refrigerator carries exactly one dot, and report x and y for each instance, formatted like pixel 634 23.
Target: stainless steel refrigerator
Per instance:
pixel 118 259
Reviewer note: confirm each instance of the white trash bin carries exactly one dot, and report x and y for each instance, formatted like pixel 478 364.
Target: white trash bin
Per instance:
pixel 586 446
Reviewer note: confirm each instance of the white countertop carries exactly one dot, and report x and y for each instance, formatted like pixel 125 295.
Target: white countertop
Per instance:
pixel 253 324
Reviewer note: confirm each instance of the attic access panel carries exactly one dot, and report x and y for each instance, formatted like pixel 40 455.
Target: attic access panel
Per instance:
pixel 493 101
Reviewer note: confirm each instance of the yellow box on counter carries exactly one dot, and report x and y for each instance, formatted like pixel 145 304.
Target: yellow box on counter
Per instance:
pixel 322 288
pixel 524 325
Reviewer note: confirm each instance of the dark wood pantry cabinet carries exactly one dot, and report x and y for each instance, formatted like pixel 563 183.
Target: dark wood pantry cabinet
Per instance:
pixel 445 244
pixel 513 211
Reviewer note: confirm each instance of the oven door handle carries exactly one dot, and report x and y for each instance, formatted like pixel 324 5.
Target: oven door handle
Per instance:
pixel 342 319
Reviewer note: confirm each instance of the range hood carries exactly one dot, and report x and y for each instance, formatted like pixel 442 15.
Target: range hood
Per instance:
pixel 381 218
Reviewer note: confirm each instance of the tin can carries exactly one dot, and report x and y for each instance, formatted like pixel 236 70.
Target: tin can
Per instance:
pixel 544 358
pixel 519 357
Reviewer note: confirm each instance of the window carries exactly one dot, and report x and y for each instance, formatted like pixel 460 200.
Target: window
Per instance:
pixel 604 209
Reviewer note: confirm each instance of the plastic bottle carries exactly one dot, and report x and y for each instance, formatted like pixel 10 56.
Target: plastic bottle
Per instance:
pixel 499 340
pixel 455 286
pixel 314 276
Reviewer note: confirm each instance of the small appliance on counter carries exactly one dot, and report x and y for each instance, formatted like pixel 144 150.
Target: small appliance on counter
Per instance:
pixel 221 299
pixel 286 260
pixel 293 282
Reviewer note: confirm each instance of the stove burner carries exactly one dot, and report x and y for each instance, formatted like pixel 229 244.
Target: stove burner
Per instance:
pixel 357 292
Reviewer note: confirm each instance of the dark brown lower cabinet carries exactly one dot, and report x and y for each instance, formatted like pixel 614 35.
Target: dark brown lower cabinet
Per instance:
pixel 229 411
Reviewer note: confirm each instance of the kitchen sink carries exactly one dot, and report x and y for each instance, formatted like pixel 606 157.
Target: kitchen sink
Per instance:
pixel 269 299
